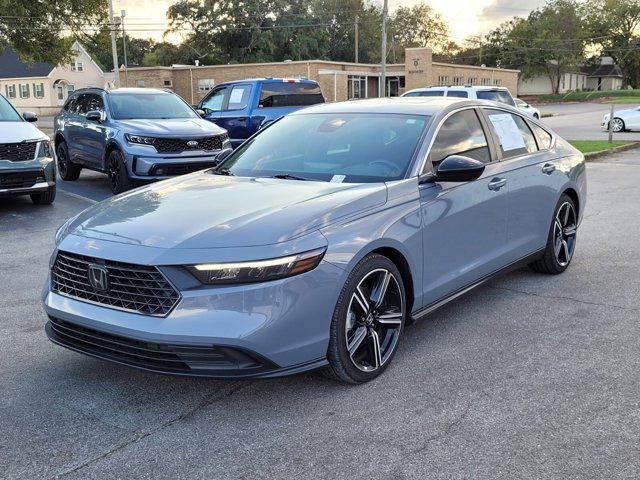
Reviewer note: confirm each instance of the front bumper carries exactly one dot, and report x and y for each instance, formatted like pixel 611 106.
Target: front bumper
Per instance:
pixel 23 178
pixel 145 164
pixel 266 329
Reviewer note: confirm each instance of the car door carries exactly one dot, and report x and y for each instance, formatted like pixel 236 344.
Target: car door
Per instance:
pixel 234 116
pixel 533 180
pixel 632 119
pixel 93 132
pixel 464 224
pixel 214 102
pixel 73 128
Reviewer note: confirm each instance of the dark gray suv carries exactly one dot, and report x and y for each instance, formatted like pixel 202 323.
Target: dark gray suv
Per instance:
pixel 134 135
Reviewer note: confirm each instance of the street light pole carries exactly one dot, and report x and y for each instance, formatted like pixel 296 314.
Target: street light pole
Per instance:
pixel 114 50
pixel 124 48
pixel 383 73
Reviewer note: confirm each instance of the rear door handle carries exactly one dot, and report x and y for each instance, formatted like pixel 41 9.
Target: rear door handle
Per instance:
pixel 548 168
pixel 497 183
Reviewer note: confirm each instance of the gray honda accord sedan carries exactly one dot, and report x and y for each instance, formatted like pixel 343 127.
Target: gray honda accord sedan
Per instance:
pixel 315 243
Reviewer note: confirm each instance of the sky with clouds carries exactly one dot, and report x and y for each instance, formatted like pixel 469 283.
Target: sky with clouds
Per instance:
pixel 465 17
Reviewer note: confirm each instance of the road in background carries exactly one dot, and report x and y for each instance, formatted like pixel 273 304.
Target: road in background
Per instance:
pixel 532 376
pixel 581 121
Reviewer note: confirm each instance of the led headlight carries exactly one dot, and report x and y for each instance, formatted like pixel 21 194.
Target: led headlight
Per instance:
pixel 257 271
pixel 44 149
pixel 139 139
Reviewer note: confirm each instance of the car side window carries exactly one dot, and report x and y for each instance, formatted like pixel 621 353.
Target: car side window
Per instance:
pixel 239 97
pixel 215 100
pixel 70 104
pixel 544 137
pixel 460 134
pixel 290 94
pixel 94 103
pixel 80 105
pixel 457 93
pixel 513 133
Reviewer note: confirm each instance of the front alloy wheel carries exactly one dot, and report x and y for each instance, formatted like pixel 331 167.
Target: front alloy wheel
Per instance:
pixel 617 125
pixel 117 172
pixel 368 321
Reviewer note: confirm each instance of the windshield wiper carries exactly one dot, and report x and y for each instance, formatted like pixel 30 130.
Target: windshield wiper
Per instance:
pixel 223 171
pixel 286 176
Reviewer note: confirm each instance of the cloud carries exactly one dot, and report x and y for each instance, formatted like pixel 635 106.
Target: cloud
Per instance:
pixel 498 11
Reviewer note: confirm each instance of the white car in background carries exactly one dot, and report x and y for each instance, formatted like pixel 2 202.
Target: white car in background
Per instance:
pixel 628 119
pixel 526 108
pixel 495 94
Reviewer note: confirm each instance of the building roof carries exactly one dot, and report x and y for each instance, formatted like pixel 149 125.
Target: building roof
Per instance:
pixel 12 67
pixel 606 70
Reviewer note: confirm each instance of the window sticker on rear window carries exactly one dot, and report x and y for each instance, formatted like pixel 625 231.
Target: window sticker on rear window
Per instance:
pixel 507 131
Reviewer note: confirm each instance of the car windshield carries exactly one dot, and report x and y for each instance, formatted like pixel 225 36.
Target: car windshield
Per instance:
pixel 152 106
pixel 499 96
pixel 7 112
pixel 337 147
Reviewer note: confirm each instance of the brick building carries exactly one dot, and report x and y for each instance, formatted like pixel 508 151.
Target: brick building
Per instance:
pixel 339 80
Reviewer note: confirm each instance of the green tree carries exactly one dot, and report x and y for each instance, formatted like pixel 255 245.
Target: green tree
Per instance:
pixel 613 25
pixel 99 46
pixel 44 30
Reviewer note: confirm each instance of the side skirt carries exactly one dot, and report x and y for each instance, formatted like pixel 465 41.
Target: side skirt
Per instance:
pixel 509 268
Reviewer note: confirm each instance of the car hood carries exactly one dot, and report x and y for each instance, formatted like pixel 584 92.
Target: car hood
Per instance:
pixel 171 127
pixel 15 132
pixel 204 210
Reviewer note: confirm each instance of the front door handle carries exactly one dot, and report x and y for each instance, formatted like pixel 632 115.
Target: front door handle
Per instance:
pixel 548 168
pixel 497 183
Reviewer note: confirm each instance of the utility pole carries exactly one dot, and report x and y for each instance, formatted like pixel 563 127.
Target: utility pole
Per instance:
pixel 114 50
pixel 124 48
pixel 357 38
pixel 383 72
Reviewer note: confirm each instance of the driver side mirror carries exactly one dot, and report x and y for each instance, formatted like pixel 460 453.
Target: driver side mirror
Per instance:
pixel 457 168
pixel 94 116
pixel 30 117
pixel 200 112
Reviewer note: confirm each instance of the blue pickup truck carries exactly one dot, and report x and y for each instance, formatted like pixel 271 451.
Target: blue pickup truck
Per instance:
pixel 243 107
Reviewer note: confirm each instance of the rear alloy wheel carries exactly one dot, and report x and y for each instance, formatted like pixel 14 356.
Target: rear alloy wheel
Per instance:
pixel 117 171
pixel 368 321
pixel 617 124
pixel 67 170
pixel 561 243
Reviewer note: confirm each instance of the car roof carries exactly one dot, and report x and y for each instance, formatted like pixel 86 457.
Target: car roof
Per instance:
pixel 459 87
pixel 269 79
pixel 140 90
pixel 397 105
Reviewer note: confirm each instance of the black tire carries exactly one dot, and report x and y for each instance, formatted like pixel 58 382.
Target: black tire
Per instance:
pixel 44 198
pixel 118 175
pixel 67 170
pixel 556 260
pixel 386 320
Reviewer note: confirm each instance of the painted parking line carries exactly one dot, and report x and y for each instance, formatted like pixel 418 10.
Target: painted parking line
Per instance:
pixel 80 197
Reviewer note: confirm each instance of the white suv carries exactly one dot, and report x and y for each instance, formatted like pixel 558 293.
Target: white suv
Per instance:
pixel 496 94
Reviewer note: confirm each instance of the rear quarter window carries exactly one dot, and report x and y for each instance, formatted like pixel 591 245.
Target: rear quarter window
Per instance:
pixel 499 96
pixel 290 94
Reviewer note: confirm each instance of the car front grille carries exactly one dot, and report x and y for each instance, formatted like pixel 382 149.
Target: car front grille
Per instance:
pixel 180 168
pixel 18 152
pixel 165 358
pixel 179 145
pixel 134 288
pixel 20 179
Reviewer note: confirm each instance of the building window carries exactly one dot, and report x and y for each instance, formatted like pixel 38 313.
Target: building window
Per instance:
pixel 140 83
pixel 10 91
pixel 472 80
pixel 60 92
pixel 24 90
pixel 356 87
pixel 168 83
pixel 206 84
pixel 77 67
pixel 458 80
pixel 485 81
pixel 38 90
pixel 497 82
pixel 443 80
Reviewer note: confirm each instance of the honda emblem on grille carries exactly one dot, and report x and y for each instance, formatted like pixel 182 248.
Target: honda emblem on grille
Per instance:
pixel 99 277
pixel 192 144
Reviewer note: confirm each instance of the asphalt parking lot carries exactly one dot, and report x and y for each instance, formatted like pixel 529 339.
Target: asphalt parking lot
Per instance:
pixel 531 376
pixel 581 121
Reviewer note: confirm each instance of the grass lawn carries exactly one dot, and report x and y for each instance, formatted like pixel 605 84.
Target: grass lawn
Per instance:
pixel 588 146
pixel 626 100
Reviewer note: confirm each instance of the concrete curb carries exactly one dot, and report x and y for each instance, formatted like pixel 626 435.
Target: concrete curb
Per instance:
pixel 603 153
